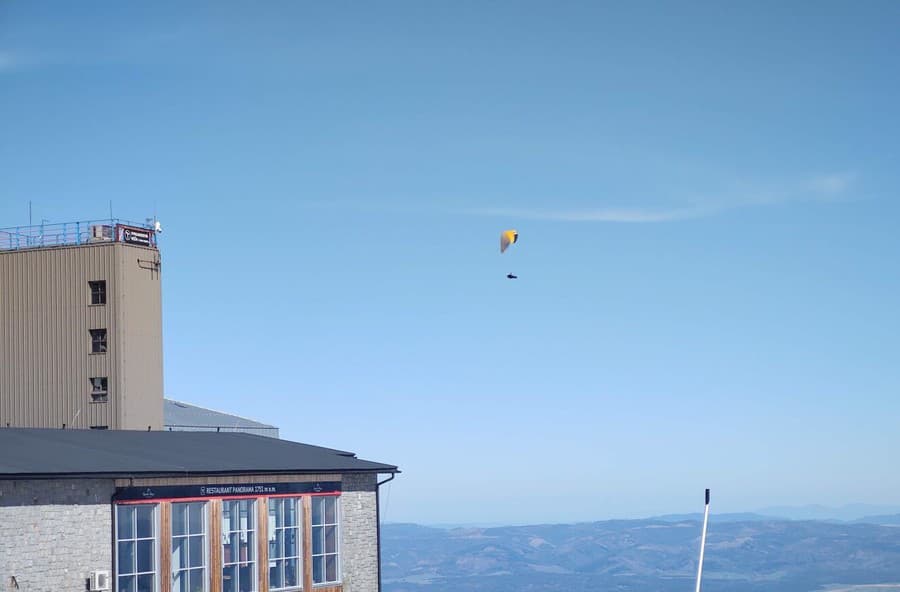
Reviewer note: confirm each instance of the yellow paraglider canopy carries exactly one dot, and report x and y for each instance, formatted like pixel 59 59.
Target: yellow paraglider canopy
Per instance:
pixel 507 237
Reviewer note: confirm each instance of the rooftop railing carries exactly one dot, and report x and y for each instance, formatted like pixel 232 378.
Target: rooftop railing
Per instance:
pixel 76 233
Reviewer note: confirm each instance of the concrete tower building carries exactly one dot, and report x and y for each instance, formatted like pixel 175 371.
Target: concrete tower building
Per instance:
pixel 81 326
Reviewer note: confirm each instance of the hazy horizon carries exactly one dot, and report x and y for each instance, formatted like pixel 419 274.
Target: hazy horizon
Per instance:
pixel 817 512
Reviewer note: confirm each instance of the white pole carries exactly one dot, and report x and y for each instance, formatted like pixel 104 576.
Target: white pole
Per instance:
pixel 703 542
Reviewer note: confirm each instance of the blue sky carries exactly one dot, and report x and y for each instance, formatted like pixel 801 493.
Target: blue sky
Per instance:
pixel 705 195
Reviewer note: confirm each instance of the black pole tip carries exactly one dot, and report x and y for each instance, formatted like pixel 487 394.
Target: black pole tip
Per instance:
pixel 707 497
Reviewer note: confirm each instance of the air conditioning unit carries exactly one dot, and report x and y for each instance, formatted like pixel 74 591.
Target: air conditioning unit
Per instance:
pixel 99 581
pixel 101 232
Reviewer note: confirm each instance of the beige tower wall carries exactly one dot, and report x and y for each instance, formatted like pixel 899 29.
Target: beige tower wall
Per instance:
pixel 139 336
pixel 45 344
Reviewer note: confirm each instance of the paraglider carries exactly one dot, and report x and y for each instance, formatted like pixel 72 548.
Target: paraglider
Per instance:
pixel 507 238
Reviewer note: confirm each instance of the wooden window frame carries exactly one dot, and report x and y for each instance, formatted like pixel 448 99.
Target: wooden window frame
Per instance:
pixel 214 542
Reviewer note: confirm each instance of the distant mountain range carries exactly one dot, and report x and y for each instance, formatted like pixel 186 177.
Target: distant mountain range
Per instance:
pixel 745 553
pixel 846 513
pixel 867 513
pixel 883 519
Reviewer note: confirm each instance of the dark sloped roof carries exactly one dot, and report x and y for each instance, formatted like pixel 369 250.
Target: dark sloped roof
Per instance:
pixel 180 414
pixel 57 453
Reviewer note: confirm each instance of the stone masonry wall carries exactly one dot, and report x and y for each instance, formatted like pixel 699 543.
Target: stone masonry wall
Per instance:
pixel 359 542
pixel 53 533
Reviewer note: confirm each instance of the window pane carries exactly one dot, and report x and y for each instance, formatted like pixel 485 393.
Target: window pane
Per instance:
pixel 196 551
pixel 276 512
pixel 290 543
pixel 245 574
pixel 227 508
pixel 180 581
pixel 331 539
pixel 145 583
pixel 229 578
pixel 231 515
pixel 232 548
pixel 318 536
pixel 318 569
pixel 331 568
pixel 198 580
pixel 317 510
pixel 98 292
pixel 290 512
pixel 144 521
pixel 275 579
pixel 145 556
pixel 195 514
pixel 249 547
pixel 126 583
pixel 291 572
pixel 126 557
pixel 98 340
pixel 179 519
pixel 278 544
pixel 247 514
pixel 125 521
pixel 330 510
pixel 179 554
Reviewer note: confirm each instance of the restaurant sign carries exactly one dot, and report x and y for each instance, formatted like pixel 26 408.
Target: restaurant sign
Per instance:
pixel 211 490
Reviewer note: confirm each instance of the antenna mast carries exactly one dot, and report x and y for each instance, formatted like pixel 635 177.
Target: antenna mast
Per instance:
pixel 703 541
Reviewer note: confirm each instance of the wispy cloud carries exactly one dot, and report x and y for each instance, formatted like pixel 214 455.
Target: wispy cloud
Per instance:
pixel 816 188
pixel 598 214
pixel 15 61
pixel 832 184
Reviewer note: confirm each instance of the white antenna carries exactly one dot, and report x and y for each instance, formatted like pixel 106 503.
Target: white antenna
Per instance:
pixel 703 542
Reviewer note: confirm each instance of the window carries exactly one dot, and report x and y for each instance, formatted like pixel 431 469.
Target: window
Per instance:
pixel 136 548
pixel 189 560
pixel 98 292
pixel 98 341
pixel 99 391
pixel 284 543
pixel 238 546
pixel 325 539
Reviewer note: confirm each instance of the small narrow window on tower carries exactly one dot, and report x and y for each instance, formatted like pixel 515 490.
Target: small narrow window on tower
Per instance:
pixel 98 292
pixel 99 392
pixel 98 341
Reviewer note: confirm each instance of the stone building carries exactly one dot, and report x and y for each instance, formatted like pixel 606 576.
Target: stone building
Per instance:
pixel 160 511
pixel 136 504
